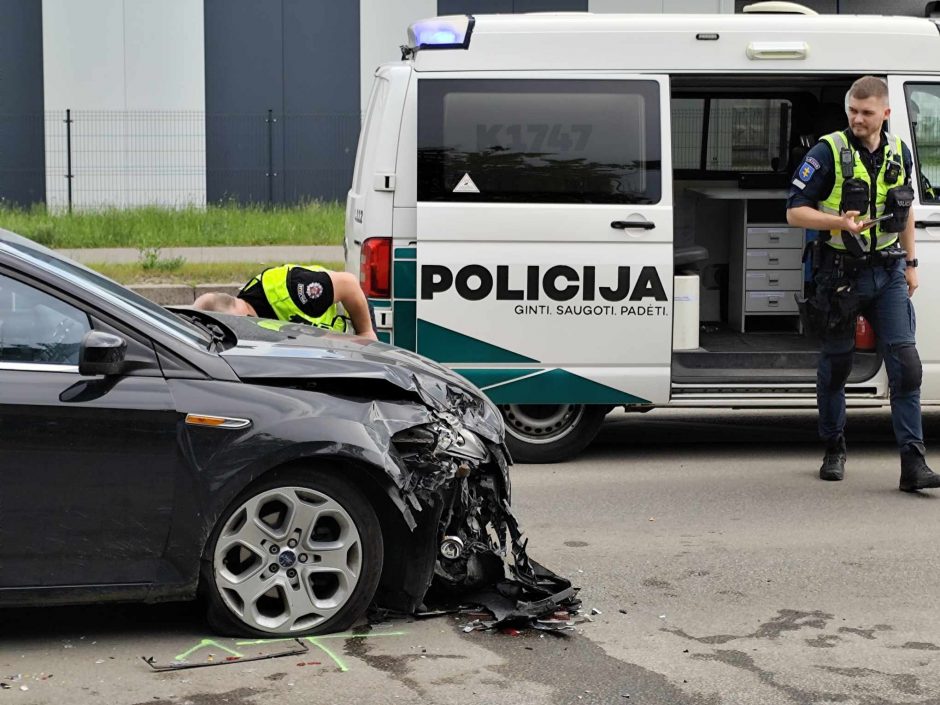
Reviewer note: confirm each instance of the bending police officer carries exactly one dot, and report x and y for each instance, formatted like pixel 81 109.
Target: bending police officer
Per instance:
pixel 847 178
pixel 301 294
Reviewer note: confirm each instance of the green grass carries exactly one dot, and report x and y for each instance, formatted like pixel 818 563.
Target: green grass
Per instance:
pixel 229 225
pixel 190 273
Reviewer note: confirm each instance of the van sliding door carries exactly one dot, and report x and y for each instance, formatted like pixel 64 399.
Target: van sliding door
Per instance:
pixel 915 117
pixel 544 225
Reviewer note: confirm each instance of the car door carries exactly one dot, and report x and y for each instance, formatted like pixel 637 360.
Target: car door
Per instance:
pixel 87 464
pixel 915 117
pixel 544 226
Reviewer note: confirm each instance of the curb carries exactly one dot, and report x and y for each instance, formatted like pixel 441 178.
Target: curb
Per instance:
pixel 180 294
pixel 263 253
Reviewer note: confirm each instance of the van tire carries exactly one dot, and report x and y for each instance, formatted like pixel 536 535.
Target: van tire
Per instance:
pixel 550 433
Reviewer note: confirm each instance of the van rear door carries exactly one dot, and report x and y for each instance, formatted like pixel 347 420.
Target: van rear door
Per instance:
pixel 915 118
pixel 544 225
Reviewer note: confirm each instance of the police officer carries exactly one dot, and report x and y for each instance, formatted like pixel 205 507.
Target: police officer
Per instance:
pixel 302 294
pixel 847 178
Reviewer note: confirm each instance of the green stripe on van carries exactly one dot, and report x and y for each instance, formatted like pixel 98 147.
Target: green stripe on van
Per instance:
pixel 403 319
pixel 405 279
pixel 445 345
pixel 559 387
pixel 406 253
pixel 484 378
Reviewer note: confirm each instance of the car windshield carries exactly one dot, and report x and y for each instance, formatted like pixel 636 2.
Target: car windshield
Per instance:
pixel 105 288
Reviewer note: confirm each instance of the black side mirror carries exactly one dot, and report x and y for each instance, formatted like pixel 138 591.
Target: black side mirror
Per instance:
pixel 101 354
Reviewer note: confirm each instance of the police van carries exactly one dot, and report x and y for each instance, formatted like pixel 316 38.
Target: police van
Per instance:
pixel 579 212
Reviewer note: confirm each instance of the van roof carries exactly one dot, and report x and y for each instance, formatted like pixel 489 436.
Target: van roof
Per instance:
pixel 765 43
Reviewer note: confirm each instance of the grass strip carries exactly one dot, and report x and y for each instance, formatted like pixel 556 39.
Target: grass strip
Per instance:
pixel 214 226
pixel 190 273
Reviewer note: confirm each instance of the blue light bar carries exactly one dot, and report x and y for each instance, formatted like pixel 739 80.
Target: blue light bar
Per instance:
pixel 452 32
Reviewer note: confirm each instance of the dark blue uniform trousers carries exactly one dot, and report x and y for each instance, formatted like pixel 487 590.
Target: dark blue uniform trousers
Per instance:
pixel 885 303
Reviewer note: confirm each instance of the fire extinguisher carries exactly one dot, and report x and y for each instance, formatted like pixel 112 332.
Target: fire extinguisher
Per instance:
pixel 864 334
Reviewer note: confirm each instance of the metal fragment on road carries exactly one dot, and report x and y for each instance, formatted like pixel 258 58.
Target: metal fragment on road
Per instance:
pixel 300 648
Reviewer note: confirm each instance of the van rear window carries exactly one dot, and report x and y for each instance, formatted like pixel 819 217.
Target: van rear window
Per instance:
pixel 539 141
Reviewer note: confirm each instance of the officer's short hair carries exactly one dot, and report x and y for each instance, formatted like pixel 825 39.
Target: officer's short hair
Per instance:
pixel 215 301
pixel 868 87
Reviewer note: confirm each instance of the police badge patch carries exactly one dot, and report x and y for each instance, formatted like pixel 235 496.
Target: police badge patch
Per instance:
pixel 806 171
pixel 314 290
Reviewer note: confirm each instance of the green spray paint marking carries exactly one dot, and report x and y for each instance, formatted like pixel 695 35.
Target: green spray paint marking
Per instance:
pixel 315 640
pixel 203 644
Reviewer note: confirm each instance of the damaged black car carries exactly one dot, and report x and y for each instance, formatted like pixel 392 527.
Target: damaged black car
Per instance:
pixel 292 476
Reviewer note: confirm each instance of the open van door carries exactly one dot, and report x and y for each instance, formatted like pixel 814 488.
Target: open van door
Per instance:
pixel 544 226
pixel 915 117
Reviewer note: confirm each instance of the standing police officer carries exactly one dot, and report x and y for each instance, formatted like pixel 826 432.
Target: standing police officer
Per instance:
pixel 846 179
pixel 302 294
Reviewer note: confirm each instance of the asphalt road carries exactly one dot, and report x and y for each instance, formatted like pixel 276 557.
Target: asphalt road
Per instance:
pixel 723 569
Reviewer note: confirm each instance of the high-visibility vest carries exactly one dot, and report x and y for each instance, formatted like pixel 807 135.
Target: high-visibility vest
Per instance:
pixel 838 141
pixel 274 283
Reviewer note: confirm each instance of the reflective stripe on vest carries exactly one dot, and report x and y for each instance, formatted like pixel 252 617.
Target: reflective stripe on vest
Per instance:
pixel 838 141
pixel 274 283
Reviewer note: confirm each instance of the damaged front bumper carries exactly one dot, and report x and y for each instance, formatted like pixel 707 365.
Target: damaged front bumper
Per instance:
pixel 481 552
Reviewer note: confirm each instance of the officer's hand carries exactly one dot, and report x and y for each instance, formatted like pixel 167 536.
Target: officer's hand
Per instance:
pixel 849 223
pixel 911 275
pixel 370 335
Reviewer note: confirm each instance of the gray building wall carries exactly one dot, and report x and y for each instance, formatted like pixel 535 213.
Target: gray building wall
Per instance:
pixel 480 7
pixel 914 8
pixel 22 124
pixel 300 60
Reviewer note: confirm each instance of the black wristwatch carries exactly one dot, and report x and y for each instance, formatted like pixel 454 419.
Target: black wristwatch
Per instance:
pixel 912 262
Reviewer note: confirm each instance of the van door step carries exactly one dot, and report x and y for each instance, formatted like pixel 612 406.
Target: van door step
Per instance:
pixel 703 367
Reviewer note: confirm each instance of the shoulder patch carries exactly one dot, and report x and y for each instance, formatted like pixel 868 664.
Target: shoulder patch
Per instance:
pixel 806 171
pixel 812 162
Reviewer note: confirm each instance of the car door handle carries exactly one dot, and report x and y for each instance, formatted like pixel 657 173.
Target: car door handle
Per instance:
pixel 927 223
pixel 630 224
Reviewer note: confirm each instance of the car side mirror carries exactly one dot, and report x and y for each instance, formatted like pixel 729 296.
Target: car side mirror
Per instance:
pixel 101 354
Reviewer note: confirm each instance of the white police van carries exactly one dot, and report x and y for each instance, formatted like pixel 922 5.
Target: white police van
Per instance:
pixel 578 212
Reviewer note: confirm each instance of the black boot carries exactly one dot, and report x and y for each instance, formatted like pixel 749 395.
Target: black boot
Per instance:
pixel 833 467
pixel 915 475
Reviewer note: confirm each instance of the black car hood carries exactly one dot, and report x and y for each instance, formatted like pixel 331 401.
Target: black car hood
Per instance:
pixel 267 349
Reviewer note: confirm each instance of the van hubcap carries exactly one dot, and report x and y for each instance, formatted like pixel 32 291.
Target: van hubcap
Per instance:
pixel 541 423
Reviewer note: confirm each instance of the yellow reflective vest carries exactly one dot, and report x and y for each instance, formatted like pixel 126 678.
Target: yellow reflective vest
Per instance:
pixel 274 283
pixel 837 142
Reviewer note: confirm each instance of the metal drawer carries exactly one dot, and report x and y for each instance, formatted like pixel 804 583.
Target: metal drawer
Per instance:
pixel 774 259
pixel 782 279
pixel 770 302
pixel 774 236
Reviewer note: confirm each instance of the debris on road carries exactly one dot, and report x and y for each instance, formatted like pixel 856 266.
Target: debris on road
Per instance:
pixel 298 648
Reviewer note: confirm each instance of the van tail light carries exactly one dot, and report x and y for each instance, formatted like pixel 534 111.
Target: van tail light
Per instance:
pixel 864 335
pixel 375 267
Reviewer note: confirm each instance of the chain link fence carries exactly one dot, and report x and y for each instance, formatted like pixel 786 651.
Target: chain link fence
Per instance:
pixel 98 159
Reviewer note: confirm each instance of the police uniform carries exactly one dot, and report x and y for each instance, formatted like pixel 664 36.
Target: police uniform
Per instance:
pixel 876 278
pixel 291 292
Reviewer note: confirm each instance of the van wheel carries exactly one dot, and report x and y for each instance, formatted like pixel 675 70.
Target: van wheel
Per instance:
pixel 550 433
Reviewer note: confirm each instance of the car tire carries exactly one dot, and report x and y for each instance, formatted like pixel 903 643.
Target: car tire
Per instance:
pixel 550 433
pixel 312 539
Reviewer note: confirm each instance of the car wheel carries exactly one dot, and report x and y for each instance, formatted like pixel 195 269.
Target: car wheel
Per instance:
pixel 300 553
pixel 549 433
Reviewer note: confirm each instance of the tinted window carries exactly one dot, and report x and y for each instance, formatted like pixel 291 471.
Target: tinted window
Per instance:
pixel 102 286
pixel 37 328
pixel 923 107
pixel 542 141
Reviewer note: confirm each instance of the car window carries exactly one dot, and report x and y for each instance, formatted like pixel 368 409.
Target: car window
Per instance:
pixel 112 291
pixel 923 108
pixel 539 141
pixel 37 328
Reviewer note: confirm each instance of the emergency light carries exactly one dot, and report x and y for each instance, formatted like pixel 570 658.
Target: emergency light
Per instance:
pixel 450 32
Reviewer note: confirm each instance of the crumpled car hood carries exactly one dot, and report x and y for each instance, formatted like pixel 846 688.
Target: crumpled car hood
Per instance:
pixel 277 350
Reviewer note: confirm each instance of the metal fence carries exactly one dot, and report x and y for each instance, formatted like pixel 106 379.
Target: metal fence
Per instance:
pixel 98 159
